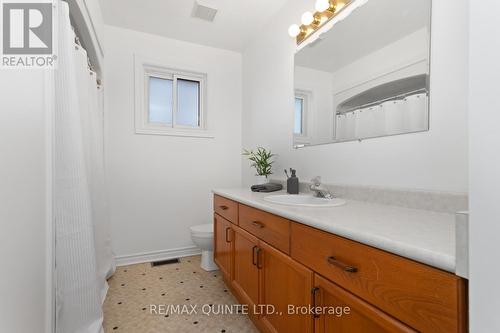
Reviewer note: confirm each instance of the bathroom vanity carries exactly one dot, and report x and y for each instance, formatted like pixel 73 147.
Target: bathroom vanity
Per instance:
pixel 391 267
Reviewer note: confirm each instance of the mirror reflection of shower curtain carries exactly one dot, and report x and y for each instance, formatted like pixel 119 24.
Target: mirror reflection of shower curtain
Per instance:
pixel 416 113
pixel 395 117
pixel 370 122
pixel 346 126
pixel 83 253
pixel 388 118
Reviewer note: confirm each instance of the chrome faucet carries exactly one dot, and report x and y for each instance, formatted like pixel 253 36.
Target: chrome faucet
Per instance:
pixel 319 190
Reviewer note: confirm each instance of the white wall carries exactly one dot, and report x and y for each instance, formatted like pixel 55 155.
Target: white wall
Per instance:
pixel 405 57
pixel 160 185
pixel 24 242
pixel 436 160
pixel 484 120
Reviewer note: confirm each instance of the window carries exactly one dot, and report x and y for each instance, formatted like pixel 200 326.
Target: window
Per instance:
pixel 160 100
pixel 302 100
pixel 188 103
pixel 298 128
pixel 170 101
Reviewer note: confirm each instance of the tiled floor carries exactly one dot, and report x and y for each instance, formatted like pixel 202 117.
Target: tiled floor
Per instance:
pixel 135 290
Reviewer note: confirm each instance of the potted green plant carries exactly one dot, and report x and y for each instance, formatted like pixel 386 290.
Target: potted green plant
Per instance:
pixel 262 162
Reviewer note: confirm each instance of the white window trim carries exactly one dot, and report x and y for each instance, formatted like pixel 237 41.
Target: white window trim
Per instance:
pixel 144 68
pixel 306 96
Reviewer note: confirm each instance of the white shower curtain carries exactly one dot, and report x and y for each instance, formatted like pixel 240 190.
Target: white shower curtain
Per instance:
pixel 346 126
pixel 370 122
pixel 416 112
pixel 83 250
pixel 395 117
pixel 410 114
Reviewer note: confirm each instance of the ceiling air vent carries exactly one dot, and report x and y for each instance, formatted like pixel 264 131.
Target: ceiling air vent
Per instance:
pixel 202 10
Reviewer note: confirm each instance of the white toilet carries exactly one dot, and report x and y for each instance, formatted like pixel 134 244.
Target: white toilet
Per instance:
pixel 203 237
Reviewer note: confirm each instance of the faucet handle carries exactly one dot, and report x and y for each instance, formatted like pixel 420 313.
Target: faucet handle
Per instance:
pixel 316 181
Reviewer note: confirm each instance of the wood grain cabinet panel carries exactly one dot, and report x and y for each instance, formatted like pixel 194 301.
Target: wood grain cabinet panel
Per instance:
pixel 270 228
pixel 245 280
pixel 284 282
pixel 226 208
pixel 425 298
pixel 223 245
pixel 342 312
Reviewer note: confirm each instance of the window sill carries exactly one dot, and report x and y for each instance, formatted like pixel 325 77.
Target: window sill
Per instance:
pixel 192 133
pixel 301 138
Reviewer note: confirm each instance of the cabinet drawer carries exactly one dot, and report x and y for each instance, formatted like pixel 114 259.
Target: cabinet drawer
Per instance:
pixel 270 228
pixel 226 208
pixel 362 316
pixel 423 297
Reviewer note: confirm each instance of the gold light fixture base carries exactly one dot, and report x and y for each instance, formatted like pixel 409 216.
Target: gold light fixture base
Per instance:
pixel 321 18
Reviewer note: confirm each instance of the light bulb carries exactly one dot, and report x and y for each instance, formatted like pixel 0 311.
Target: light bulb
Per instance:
pixel 322 5
pixel 294 30
pixel 307 18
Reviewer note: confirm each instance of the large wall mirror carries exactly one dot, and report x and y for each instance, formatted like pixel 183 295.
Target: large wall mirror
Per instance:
pixel 366 77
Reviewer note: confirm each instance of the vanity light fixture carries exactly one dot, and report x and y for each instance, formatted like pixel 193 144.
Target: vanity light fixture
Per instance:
pixel 307 18
pixel 322 5
pixel 325 11
pixel 294 30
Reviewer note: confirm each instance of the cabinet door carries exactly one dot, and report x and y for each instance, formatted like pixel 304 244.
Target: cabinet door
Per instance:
pixel 361 318
pixel 246 273
pixel 223 245
pixel 284 283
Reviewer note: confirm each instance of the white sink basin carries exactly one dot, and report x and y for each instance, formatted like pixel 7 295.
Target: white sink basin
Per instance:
pixel 303 200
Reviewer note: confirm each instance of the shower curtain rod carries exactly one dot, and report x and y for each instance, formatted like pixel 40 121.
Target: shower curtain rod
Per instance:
pixel 398 97
pixel 89 63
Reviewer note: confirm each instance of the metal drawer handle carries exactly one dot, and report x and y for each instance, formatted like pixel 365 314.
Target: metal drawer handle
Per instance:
pixel 351 269
pixel 259 258
pixel 254 261
pixel 224 207
pixel 256 256
pixel 258 224
pixel 227 236
pixel 314 291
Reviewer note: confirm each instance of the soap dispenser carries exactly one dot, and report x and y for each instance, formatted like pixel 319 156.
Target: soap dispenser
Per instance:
pixel 292 183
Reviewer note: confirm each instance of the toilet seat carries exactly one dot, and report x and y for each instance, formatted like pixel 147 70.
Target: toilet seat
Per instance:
pixel 202 230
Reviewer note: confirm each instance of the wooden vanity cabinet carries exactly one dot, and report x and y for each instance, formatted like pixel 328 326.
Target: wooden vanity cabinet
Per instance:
pixel 284 282
pixel 245 281
pixel 226 208
pixel 272 229
pixel 267 259
pixel 264 275
pixel 223 245
pixel 421 296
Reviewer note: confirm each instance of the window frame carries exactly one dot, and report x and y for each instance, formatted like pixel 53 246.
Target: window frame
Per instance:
pixel 144 69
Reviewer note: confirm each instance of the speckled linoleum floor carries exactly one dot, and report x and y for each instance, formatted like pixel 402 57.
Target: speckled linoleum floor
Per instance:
pixel 139 297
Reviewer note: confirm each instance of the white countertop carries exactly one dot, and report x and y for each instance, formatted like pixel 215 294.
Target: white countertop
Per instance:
pixel 424 236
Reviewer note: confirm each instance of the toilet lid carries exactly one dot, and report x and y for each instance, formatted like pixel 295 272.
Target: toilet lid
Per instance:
pixel 203 228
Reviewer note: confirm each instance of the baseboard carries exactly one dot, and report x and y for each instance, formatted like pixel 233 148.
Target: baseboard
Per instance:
pixel 139 258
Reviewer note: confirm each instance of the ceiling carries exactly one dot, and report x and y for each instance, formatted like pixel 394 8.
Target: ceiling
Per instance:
pixel 369 28
pixel 236 22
